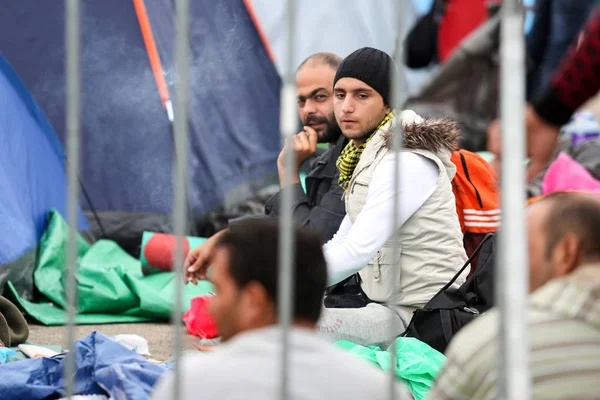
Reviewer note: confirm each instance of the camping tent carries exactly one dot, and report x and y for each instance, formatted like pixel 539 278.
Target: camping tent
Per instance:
pixel 32 178
pixel 127 143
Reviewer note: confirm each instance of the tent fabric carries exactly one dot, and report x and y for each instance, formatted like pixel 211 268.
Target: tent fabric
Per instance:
pixel 32 175
pixel 127 140
pixel 111 286
pixel 103 367
pixel 20 272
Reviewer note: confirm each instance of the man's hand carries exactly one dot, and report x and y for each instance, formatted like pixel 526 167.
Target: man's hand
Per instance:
pixel 542 139
pixel 198 260
pixel 304 144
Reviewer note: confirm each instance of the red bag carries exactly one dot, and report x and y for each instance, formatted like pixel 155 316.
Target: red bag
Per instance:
pixel 198 321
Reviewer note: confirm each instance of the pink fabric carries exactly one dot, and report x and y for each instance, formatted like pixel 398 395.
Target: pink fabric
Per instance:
pixel 198 321
pixel 566 174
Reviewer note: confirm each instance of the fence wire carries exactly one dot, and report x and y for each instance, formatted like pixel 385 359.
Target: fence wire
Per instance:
pixel 180 206
pixel 512 271
pixel 73 124
pixel 287 245
pixel 397 85
pixel 512 275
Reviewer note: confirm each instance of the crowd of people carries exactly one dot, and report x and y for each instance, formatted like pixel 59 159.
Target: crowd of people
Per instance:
pixel 344 233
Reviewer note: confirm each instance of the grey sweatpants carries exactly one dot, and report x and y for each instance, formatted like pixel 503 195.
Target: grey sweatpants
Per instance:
pixel 374 324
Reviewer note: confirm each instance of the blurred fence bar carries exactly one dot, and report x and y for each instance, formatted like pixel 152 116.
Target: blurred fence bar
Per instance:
pixel 73 79
pixel 180 206
pixel 287 246
pixel 397 84
pixel 514 380
pixel 512 273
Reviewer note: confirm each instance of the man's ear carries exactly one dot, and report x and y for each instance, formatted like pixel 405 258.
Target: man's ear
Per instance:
pixel 257 300
pixel 567 255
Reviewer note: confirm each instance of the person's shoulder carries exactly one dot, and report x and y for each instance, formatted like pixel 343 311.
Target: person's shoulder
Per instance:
pixel 476 340
pixel 201 361
pixel 199 370
pixel 413 163
pixel 471 356
pixel 406 156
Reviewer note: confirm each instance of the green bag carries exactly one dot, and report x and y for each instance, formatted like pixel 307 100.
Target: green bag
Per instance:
pixel 417 364
pixel 111 286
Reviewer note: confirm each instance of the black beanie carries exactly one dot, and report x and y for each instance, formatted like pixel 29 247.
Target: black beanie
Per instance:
pixel 370 66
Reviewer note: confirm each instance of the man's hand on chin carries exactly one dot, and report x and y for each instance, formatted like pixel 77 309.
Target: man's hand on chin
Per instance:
pixel 304 144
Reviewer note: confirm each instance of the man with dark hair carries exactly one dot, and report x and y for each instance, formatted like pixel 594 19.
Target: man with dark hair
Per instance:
pixel 247 364
pixel 563 316
pixel 321 207
pixel 427 233
pixel 247 254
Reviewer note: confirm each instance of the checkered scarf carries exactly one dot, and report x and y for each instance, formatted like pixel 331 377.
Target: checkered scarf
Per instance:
pixel 348 159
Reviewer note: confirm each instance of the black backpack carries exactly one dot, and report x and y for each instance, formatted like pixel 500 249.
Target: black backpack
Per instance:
pixel 451 309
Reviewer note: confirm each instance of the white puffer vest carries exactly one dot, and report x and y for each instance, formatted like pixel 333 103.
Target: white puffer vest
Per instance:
pixel 430 242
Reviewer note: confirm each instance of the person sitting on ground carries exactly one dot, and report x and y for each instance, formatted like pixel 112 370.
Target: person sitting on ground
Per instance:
pixel 563 315
pixel 430 248
pixel 321 207
pixel 572 84
pixel 247 363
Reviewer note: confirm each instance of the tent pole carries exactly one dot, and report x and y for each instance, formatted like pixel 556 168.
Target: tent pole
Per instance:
pixel 73 76
pixel 153 57
pixel 512 272
pixel 286 231
pixel 397 84
pixel 180 217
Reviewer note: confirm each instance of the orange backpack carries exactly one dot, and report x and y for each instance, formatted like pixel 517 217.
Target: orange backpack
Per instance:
pixel 475 188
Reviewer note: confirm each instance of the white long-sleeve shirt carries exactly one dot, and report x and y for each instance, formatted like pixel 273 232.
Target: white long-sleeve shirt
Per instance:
pixel 355 244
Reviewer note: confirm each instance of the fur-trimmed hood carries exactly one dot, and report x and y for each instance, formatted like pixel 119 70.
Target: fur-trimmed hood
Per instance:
pixel 439 136
pixel 432 134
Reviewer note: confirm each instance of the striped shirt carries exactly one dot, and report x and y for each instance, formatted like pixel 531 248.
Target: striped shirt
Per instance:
pixel 564 333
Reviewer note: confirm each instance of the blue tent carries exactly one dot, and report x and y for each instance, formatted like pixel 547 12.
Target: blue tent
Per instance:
pixel 32 178
pixel 127 153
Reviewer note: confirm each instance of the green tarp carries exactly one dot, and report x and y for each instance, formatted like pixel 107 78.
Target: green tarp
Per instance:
pixel 111 286
pixel 417 364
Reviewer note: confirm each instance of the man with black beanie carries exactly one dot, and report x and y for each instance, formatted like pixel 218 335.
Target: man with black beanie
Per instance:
pixel 430 239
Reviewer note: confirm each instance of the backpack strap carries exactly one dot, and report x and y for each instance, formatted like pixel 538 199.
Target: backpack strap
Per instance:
pixel 446 316
pixel 460 271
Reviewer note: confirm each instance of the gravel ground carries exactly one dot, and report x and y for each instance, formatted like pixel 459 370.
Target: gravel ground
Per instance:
pixel 158 335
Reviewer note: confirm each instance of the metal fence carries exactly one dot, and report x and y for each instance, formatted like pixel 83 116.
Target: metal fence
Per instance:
pixel 512 279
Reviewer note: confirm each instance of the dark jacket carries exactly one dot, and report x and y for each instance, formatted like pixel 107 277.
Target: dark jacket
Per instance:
pixel 321 207
pixel 556 26
pixel 575 81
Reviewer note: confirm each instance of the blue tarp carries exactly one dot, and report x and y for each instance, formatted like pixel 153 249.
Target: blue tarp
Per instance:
pixel 32 173
pixel 127 141
pixel 103 367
